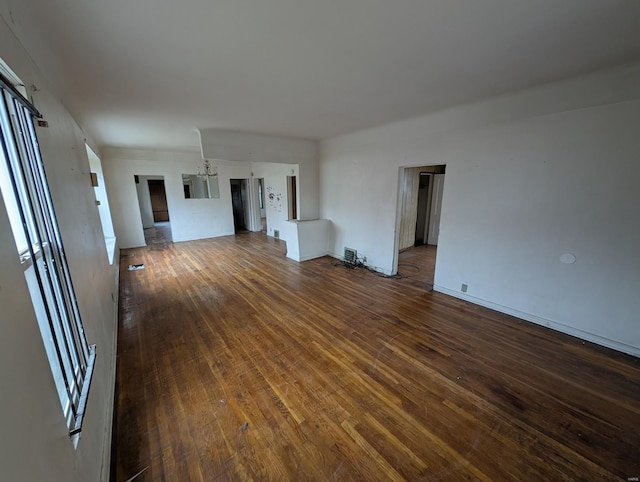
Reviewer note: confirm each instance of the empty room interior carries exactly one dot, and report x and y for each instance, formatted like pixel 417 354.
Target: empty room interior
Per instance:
pixel 329 240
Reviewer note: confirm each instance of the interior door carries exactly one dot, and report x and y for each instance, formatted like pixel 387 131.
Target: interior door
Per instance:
pixel 158 200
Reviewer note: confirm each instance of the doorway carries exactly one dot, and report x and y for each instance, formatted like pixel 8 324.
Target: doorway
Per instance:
pixel 154 209
pixel 419 209
pixel 158 197
pixel 292 197
pixel 239 204
pixel 262 204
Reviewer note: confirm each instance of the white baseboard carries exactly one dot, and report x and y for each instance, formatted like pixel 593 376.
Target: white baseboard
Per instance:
pixel 554 325
pixel 313 256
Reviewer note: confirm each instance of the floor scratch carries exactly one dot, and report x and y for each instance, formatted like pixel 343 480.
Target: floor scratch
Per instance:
pixel 138 474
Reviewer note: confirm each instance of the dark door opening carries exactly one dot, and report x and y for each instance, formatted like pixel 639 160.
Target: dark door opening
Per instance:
pixel 424 207
pixel 293 197
pixel 158 200
pixel 238 203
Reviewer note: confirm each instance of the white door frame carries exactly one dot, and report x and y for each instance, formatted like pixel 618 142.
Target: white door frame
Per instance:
pixel 396 235
pixel 254 222
pixel 399 198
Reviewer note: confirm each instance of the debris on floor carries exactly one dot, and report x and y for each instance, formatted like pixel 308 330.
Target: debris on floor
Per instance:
pixel 133 267
pixel 244 426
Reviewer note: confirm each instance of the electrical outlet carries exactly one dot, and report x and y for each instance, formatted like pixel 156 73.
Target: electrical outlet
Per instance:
pixel 276 233
pixel 463 288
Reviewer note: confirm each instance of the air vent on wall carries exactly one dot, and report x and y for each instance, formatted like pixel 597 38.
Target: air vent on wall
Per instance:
pixel 350 256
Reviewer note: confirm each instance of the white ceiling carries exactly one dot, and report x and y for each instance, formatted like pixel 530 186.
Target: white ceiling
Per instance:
pixel 147 73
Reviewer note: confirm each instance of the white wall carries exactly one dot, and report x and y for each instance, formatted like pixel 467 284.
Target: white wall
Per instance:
pixel 275 187
pixel 190 218
pixel 35 444
pixel 258 149
pixel 530 176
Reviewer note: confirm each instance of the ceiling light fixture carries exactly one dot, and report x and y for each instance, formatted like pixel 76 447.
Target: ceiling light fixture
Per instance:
pixel 207 170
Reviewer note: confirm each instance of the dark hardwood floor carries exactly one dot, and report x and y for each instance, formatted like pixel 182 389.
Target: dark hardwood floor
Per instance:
pixel 417 266
pixel 236 363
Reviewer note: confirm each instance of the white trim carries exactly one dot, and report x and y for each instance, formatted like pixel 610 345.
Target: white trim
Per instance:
pixel 255 222
pixel 105 472
pixel 554 325
pixel 396 232
pixel 315 256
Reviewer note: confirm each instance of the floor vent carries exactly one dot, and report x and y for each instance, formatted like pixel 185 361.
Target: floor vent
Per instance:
pixel 276 233
pixel 350 256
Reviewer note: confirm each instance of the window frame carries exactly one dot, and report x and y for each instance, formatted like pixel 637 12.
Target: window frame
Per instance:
pixel 71 358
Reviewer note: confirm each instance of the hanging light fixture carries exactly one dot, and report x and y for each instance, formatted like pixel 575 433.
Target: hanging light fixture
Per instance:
pixel 207 170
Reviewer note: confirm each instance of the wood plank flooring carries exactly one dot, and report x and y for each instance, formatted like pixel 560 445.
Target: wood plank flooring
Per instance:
pixel 160 233
pixel 417 266
pixel 236 363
